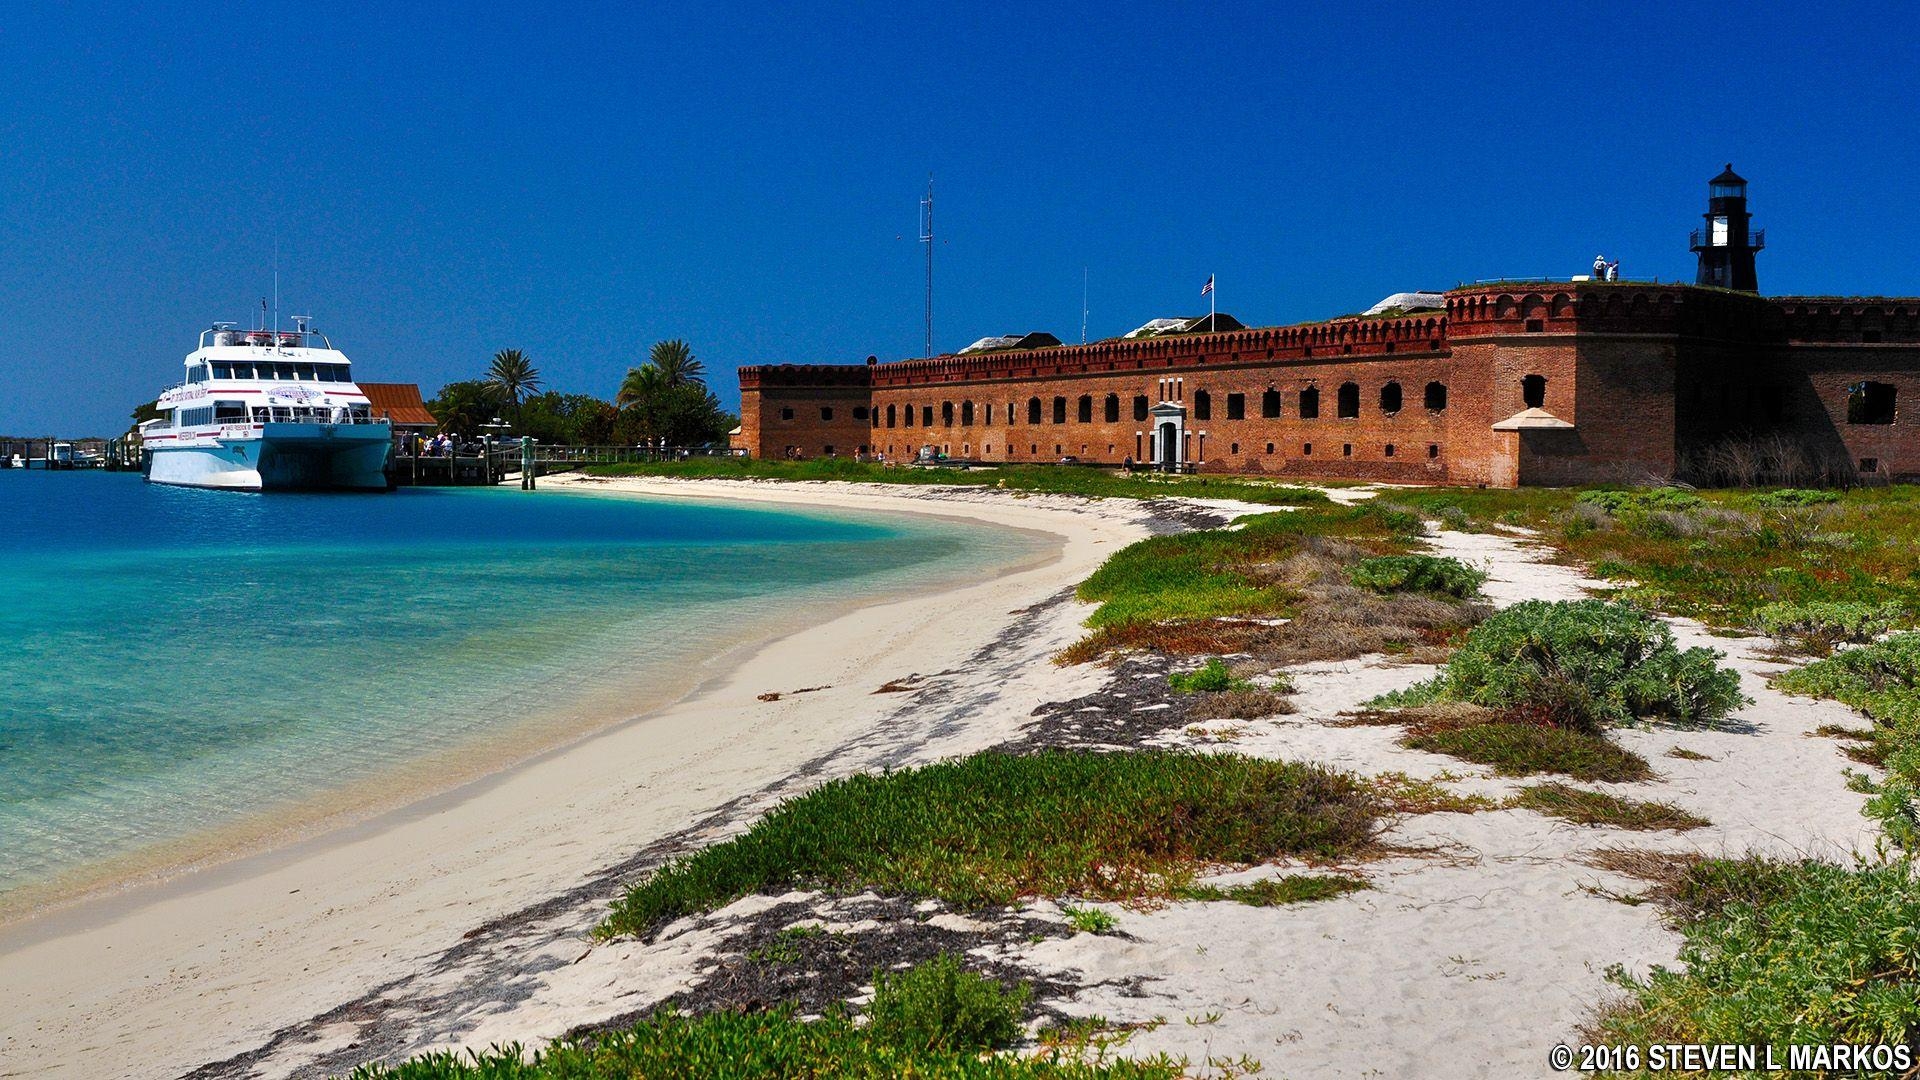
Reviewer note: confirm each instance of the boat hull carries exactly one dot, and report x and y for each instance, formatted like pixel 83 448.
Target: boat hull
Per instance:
pixel 281 457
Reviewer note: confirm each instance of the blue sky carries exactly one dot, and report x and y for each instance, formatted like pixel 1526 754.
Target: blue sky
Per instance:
pixel 580 181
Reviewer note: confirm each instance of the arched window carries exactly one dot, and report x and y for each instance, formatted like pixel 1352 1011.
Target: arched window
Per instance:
pixel 909 412
pixel 1013 415
pixel 1270 404
pixel 1310 403
pixel 1112 412
pixel 926 416
pixel 1533 391
pixel 1390 398
pixel 1347 405
pixel 1033 410
pixel 1202 405
pixel 1140 406
pixel 946 414
pixel 1086 408
pixel 1059 410
pixel 1436 396
pixel 966 414
pixel 890 417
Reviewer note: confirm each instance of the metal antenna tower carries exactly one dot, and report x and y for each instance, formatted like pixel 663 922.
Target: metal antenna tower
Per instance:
pixel 926 237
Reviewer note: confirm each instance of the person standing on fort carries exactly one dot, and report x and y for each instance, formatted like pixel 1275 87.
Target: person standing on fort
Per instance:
pixel 1599 268
pixel 1613 270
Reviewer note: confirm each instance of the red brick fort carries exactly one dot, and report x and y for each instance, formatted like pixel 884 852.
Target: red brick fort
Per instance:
pixel 1502 384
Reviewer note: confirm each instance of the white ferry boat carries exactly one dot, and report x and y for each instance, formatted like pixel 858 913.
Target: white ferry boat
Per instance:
pixel 266 410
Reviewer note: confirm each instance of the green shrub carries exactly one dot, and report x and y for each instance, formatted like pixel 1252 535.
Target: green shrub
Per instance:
pixel 1641 499
pixel 1581 664
pixel 1783 953
pixel 1819 625
pixel 1785 497
pixel 1882 680
pixel 994 827
pixel 1087 920
pixel 1210 678
pixel 1417 573
pixel 939 1005
pixel 748 1046
pixel 1526 750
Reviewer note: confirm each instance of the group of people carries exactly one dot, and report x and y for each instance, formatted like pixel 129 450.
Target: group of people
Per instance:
pixel 1604 270
pixel 441 445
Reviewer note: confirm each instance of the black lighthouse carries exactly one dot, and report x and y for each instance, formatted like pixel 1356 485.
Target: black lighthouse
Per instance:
pixel 1727 244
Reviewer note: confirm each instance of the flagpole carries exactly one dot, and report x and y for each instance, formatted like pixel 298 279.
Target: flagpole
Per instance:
pixel 1213 300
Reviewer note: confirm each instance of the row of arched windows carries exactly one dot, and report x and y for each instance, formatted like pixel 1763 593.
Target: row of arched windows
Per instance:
pixel 1038 411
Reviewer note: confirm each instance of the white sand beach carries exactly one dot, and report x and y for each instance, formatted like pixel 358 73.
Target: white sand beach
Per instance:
pixel 1470 958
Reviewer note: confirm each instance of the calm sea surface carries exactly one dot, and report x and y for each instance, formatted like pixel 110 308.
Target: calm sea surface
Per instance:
pixel 176 662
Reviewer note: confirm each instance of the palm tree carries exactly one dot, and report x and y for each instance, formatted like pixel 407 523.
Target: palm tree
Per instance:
pixel 513 376
pixel 676 363
pixel 641 384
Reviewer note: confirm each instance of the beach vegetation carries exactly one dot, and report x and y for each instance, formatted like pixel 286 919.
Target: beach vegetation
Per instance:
pixel 1274 892
pixel 1247 703
pixel 752 1045
pixel 1584 807
pixel 1418 573
pixel 1210 678
pixel 995 827
pixel 1881 680
pixel 1275 586
pixel 1778 953
pixel 1031 479
pixel 1583 665
pixel 1723 557
pixel 462 407
pixel 1519 749
pixel 940 1005
pixel 1089 920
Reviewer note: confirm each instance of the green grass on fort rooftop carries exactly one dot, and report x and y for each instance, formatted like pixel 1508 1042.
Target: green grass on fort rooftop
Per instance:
pixel 1037 479
pixel 1815 568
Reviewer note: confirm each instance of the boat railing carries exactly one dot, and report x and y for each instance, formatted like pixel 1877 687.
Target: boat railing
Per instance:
pixel 280 414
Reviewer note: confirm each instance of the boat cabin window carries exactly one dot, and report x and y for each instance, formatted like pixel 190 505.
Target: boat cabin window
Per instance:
pixel 228 412
pixel 304 371
pixel 196 417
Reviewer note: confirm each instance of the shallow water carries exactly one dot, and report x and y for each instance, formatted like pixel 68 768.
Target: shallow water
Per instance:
pixel 174 662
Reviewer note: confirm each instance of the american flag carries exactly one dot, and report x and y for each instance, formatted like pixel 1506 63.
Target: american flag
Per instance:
pixel 1208 287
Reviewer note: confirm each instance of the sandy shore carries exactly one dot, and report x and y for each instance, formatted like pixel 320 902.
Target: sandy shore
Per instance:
pixel 162 978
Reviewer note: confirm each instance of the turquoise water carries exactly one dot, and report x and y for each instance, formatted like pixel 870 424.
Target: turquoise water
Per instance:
pixel 174 662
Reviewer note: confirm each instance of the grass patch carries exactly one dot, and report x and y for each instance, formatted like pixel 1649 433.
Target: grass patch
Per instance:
pixel 740 1046
pixel 1780 953
pixel 1275 587
pixel 1529 750
pixel 1595 808
pixel 1086 920
pixel 942 1006
pixel 1724 557
pixel 1685 754
pixel 1403 794
pixel 995 827
pixel 1417 573
pixel 1273 892
pixel 1037 479
pixel 1583 665
pixel 1881 680
pixel 1211 678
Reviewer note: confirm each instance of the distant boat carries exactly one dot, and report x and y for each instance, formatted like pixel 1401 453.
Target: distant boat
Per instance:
pixel 267 410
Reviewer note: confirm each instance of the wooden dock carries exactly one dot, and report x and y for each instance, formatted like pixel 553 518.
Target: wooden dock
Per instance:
pixel 504 462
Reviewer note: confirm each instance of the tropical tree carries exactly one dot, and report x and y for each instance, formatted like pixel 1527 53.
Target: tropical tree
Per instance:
pixel 666 401
pixel 676 363
pixel 462 407
pixel 514 376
